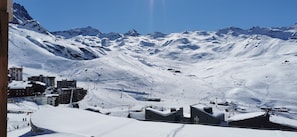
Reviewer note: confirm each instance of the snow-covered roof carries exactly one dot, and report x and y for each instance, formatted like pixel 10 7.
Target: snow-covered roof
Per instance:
pixel 137 115
pixel 76 122
pixel 163 113
pixel 283 121
pixel 67 88
pixel 246 116
pixel 215 112
pixel 52 95
pixel 19 85
pixel 40 83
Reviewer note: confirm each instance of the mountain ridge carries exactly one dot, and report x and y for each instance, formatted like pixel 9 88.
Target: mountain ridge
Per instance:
pixel 21 16
pixel 255 66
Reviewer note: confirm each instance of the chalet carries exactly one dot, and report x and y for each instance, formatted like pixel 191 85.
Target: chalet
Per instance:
pixel 48 80
pixel 175 116
pixel 25 88
pixel 201 114
pixel 15 73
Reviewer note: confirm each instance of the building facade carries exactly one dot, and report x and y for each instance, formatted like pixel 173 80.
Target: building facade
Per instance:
pixel 70 95
pixel 53 99
pixel 25 88
pixel 15 73
pixel 66 84
pixel 48 80
pixel 261 120
pixel 205 115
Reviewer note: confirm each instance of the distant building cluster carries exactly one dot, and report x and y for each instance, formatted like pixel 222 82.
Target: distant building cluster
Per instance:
pixel 43 88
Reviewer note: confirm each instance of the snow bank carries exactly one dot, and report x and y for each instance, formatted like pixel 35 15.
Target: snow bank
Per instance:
pixel 23 106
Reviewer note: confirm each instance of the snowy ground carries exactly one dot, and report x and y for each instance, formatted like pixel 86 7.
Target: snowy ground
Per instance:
pixel 19 116
pixel 68 122
pixel 251 71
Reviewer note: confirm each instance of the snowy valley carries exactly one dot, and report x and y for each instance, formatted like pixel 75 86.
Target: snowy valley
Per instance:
pixel 254 69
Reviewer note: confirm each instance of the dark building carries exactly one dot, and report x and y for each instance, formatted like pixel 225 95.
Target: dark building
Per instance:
pixel 25 88
pixel 250 120
pixel 49 81
pixel 68 92
pixel 259 120
pixel 16 73
pixel 66 84
pixel 199 115
pixel 278 126
pixel 53 99
pixel 174 115
pixel 205 115
pixel 70 95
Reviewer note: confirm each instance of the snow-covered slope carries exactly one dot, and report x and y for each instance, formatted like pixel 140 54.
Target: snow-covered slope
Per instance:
pixel 253 68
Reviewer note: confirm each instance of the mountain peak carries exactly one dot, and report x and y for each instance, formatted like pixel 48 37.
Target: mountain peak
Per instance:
pixel 132 32
pixel 20 14
pixel 294 26
pixel 235 31
pixel 84 31
pixel 156 35
pixel 284 33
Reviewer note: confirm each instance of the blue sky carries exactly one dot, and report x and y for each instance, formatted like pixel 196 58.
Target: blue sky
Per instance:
pixel 165 16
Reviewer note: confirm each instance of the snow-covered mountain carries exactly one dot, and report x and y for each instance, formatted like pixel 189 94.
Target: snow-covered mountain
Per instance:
pixel 20 14
pixel 254 68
